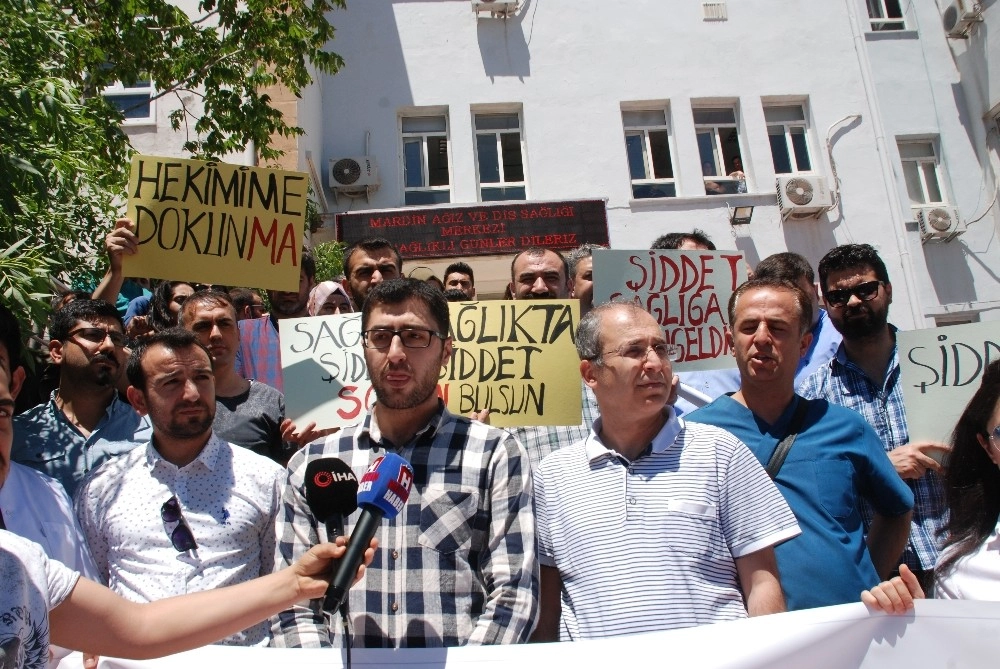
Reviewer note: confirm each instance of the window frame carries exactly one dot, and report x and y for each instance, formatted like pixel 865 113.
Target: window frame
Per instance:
pixel 424 136
pixel 502 184
pixel 787 132
pixel 934 160
pixel 119 90
pixel 718 153
pixel 649 164
pixel 885 22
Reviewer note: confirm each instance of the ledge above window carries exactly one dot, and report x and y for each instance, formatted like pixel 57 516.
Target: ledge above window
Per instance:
pixel 707 201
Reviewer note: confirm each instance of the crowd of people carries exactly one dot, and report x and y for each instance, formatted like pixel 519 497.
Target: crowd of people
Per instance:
pixel 161 463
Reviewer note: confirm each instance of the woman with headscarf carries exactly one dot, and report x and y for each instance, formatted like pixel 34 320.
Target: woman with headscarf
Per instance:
pixel 328 298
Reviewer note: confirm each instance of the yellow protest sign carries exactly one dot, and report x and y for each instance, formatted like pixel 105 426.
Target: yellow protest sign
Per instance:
pixel 216 223
pixel 516 358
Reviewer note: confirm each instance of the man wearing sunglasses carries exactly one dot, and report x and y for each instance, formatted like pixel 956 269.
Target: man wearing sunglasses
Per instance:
pixel 187 511
pixel 864 376
pixel 84 423
pixel 457 565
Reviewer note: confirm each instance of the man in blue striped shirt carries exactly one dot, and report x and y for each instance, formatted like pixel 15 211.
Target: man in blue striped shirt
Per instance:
pixel 864 376
pixel 650 523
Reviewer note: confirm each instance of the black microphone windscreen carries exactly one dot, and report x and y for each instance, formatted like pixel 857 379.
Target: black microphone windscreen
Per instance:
pixel 331 488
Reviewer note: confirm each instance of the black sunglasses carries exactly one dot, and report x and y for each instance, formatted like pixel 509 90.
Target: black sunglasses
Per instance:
pixel 864 291
pixel 181 536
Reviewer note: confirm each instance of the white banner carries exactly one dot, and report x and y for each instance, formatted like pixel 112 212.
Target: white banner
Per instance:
pixel 936 634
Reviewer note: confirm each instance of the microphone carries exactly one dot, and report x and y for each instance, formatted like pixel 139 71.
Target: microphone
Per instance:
pixel 331 493
pixel 383 492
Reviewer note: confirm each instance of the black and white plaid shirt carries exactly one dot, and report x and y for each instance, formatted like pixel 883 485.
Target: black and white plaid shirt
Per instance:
pixel 457 566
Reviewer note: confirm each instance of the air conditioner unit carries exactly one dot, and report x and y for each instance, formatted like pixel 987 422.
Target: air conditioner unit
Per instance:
pixel 803 196
pixel 502 8
pixel 960 16
pixel 939 222
pixel 353 174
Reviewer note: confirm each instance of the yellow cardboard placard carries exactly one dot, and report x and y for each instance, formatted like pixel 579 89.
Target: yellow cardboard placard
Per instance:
pixel 517 358
pixel 216 222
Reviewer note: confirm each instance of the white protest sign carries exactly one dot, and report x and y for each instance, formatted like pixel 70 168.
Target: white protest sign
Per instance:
pixel 687 292
pixel 940 370
pixel 323 363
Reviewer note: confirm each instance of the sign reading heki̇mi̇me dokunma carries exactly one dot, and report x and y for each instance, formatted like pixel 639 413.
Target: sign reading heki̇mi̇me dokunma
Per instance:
pixel 215 222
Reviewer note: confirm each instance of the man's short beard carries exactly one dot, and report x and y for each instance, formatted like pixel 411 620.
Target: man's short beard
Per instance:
pixel 416 397
pixel 872 324
pixel 187 430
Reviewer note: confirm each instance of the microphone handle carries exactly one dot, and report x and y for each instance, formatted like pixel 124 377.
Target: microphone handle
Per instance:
pixel 336 592
pixel 334 529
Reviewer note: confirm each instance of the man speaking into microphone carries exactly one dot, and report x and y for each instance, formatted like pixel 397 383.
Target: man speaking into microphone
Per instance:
pixel 457 565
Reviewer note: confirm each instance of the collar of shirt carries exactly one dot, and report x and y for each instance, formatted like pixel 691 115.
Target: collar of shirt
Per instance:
pixel 661 442
pixel 370 436
pixel 209 457
pixel 893 367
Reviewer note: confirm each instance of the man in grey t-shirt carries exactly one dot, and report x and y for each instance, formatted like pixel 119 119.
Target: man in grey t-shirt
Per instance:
pixel 247 413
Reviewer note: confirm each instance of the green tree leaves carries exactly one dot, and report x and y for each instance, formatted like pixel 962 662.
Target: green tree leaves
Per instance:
pixel 63 156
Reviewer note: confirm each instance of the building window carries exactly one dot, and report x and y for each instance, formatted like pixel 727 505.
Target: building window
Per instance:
pixel 133 101
pixel 719 150
pixel 499 157
pixel 426 179
pixel 647 144
pixel 921 172
pixel 786 131
pixel 886 15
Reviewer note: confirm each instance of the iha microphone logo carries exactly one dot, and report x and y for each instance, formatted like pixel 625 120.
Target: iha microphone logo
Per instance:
pixel 323 479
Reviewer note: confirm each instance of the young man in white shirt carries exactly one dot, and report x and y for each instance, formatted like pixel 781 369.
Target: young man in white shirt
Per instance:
pixel 187 511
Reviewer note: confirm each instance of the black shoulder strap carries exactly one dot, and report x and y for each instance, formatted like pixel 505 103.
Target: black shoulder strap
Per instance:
pixel 785 445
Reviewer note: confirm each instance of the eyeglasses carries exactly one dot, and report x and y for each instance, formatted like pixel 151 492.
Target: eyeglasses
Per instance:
pixel 98 335
pixel 381 338
pixel 863 291
pixel 181 536
pixel 640 352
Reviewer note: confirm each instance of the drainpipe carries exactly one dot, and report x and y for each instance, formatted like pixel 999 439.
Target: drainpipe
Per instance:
pixel 888 179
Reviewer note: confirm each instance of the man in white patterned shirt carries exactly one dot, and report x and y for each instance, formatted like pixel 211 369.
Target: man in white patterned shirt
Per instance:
pixel 650 523
pixel 187 511
pixel 457 565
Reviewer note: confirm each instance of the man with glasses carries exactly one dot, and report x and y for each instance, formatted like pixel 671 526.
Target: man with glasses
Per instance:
pixel 187 511
pixel 651 522
pixel 864 376
pixel 248 303
pixel 84 422
pixel 457 565
pixel 832 458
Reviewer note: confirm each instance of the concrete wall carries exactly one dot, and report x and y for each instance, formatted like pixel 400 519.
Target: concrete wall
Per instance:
pixel 571 66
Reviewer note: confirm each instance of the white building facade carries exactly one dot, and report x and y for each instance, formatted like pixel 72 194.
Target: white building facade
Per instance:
pixel 877 126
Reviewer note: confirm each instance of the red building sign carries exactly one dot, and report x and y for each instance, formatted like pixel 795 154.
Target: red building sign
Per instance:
pixel 480 229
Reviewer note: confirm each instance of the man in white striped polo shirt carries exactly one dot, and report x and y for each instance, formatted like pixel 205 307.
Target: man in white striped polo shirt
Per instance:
pixel 650 523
